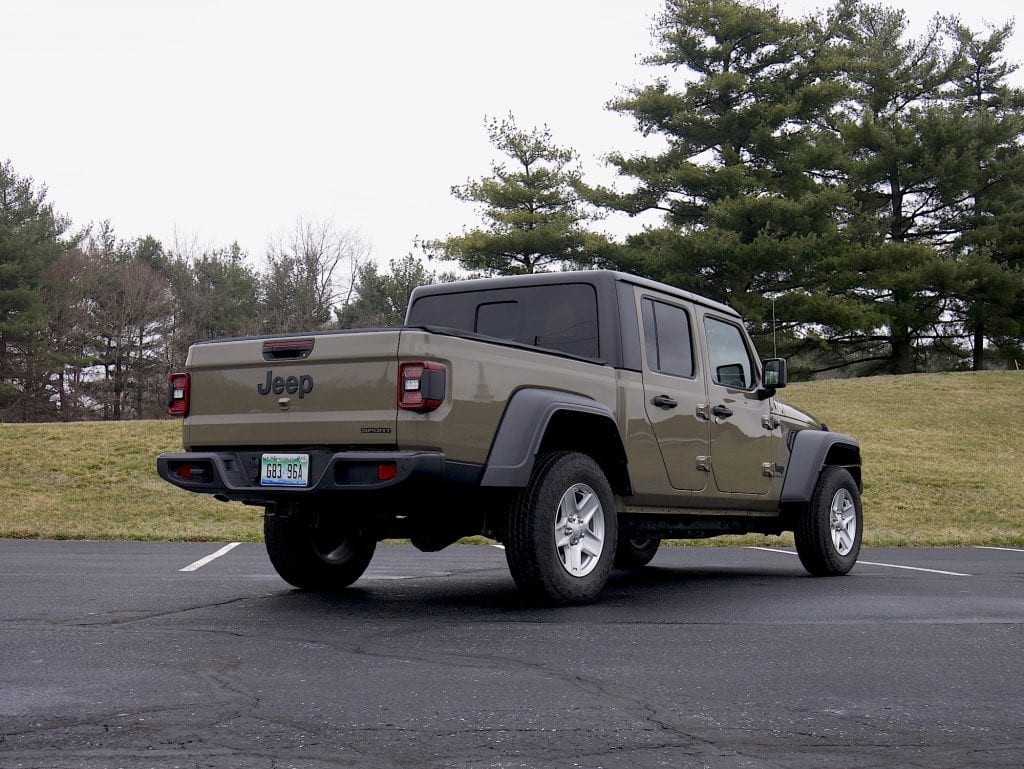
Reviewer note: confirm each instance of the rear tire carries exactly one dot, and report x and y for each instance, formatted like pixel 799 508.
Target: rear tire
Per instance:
pixel 314 550
pixel 828 533
pixel 636 552
pixel 563 530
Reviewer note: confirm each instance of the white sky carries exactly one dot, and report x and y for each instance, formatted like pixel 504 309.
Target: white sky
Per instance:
pixel 228 120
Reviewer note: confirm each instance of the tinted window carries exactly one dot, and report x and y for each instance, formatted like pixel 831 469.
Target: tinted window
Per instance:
pixel 500 319
pixel 558 317
pixel 727 355
pixel 667 338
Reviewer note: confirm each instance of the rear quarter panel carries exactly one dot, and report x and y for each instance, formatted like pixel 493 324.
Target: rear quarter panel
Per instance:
pixel 481 379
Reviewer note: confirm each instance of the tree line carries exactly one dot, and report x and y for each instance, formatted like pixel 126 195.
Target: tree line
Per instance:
pixel 857 193
pixel 91 324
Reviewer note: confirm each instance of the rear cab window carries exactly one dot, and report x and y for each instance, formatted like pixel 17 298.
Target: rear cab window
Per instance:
pixel 561 317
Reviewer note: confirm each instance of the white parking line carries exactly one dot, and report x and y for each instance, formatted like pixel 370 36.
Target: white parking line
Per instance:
pixel 873 563
pixel 211 557
pixel 499 546
pixel 1007 549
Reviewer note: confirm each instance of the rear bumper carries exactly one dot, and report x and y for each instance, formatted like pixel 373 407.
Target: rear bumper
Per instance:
pixel 235 475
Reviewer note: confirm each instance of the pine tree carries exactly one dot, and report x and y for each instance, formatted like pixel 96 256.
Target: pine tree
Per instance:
pixel 989 193
pixel 32 238
pixel 827 167
pixel 533 217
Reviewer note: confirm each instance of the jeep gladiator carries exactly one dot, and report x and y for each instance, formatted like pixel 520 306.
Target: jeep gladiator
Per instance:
pixel 578 418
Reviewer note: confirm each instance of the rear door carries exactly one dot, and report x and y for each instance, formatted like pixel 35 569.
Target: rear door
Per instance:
pixel 674 390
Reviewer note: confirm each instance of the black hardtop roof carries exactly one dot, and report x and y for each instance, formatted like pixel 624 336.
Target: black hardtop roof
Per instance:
pixel 597 277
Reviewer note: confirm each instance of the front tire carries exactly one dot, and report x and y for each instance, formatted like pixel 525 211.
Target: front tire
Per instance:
pixel 563 530
pixel 315 550
pixel 828 534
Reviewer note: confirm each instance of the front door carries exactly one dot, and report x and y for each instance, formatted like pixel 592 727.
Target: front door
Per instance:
pixel 742 443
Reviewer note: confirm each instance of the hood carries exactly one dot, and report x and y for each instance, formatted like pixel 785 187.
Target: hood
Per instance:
pixel 795 416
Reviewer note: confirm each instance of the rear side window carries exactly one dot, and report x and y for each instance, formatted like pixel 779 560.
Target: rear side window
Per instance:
pixel 667 338
pixel 558 317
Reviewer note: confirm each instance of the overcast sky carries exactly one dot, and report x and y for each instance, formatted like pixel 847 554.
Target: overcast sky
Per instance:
pixel 222 121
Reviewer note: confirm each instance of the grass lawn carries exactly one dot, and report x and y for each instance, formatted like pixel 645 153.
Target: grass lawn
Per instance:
pixel 943 453
pixel 943 465
pixel 97 480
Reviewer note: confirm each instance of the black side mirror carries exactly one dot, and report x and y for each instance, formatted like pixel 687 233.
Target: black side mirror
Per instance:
pixel 775 374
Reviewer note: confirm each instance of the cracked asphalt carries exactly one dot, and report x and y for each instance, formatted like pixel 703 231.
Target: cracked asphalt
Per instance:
pixel 713 658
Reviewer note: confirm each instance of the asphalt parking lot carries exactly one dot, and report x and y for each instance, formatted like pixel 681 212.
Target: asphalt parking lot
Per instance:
pixel 112 655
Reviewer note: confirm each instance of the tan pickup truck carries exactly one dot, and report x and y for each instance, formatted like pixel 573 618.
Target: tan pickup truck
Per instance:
pixel 576 417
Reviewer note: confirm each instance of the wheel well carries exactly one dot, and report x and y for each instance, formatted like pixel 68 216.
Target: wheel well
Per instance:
pixel 845 455
pixel 593 435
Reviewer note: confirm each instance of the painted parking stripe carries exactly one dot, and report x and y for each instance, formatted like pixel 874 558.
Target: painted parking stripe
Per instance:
pixel 1006 549
pixel 211 557
pixel 873 563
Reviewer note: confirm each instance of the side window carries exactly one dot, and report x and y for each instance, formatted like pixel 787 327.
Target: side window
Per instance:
pixel 667 338
pixel 728 357
pixel 499 319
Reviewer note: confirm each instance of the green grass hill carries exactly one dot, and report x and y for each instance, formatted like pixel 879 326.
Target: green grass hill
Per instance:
pixel 943 465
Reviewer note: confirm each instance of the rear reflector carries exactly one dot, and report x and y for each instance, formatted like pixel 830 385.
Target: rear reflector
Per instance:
pixel 387 471
pixel 192 472
pixel 421 385
pixel 178 386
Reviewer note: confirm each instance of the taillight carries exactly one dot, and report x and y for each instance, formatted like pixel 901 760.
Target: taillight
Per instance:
pixel 178 386
pixel 421 385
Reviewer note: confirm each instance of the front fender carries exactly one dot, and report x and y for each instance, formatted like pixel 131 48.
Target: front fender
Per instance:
pixel 810 452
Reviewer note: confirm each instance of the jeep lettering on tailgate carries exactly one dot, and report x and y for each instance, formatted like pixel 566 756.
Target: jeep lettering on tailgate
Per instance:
pixel 291 384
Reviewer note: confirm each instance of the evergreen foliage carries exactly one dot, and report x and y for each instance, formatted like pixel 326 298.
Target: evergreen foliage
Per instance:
pixel 32 238
pixel 852 180
pixel 533 217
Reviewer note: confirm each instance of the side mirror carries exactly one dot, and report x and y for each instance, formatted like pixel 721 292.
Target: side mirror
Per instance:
pixel 775 373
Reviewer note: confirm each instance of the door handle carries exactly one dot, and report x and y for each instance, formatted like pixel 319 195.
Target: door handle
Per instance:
pixel 664 402
pixel 721 411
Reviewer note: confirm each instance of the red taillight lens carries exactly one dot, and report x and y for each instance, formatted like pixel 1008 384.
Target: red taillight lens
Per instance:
pixel 178 386
pixel 421 385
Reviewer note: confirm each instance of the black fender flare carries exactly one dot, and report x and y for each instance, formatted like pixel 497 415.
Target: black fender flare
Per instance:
pixel 522 429
pixel 810 452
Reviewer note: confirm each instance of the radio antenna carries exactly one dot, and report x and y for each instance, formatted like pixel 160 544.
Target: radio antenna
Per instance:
pixel 775 346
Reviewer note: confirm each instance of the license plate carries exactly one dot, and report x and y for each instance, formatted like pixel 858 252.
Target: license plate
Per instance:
pixel 284 470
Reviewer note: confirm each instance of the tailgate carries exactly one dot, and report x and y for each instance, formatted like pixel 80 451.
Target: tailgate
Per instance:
pixel 318 390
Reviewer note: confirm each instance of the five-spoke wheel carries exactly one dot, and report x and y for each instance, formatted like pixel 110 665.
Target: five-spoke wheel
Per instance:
pixel 579 530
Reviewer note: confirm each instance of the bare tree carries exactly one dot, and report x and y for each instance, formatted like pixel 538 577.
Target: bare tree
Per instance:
pixel 129 311
pixel 67 287
pixel 215 293
pixel 309 273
